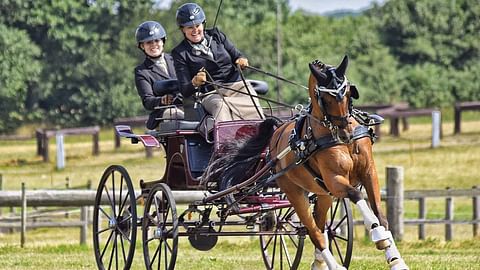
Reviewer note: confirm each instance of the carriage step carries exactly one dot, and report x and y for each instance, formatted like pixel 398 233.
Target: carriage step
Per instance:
pixel 126 132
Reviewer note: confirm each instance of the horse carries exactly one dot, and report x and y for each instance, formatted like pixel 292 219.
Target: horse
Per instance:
pixel 326 143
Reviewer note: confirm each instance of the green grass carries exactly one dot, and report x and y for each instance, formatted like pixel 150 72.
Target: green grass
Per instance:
pixel 454 164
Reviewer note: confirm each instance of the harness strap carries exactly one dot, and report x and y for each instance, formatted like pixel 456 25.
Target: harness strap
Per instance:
pixel 317 177
pixel 363 131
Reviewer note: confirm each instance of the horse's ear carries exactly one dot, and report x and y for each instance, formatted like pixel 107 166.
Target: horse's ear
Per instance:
pixel 354 92
pixel 342 68
pixel 320 76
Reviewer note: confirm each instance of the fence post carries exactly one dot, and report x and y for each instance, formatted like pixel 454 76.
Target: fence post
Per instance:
pixel 395 201
pixel 67 187
pixel 476 213
pixel 149 152
pixel 45 141
pixel 84 221
pixel 448 218
pixel 96 146
pixel 116 138
pixel 60 151
pixel 24 216
pixel 422 215
pixel 1 188
pixel 436 128
pixel 458 118
pixel 38 135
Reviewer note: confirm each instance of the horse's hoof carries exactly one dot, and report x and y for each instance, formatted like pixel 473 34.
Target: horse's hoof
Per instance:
pixel 383 244
pixel 319 265
pixel 398 264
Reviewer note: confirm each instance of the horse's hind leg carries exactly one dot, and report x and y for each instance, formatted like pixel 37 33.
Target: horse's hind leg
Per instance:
pixel 300 203
pixel 380 236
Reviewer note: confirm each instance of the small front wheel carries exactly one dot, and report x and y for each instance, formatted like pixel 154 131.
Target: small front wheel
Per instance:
pixel 160 229
pixel 114 220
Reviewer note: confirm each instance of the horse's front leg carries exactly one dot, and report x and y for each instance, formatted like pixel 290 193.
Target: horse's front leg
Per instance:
pixel 366 172
pixel 380 236
pixel 323 203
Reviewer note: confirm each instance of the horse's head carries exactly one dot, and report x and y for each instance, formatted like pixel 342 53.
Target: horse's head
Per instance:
pixel 331 94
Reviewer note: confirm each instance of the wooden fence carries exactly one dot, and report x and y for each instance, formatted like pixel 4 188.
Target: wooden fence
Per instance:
pixel 43 137
pixel 394 198
pixel 463 106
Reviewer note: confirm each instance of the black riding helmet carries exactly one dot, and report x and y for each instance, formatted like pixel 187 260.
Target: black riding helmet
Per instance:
pixel 150 30
pixel 190 14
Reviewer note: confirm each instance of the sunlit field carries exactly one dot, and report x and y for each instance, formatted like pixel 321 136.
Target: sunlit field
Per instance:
pixel 454 164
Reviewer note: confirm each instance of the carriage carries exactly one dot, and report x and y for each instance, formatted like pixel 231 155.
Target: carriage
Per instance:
pixel 255 207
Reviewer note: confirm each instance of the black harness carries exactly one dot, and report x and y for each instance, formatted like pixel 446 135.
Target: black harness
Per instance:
pixel 305 147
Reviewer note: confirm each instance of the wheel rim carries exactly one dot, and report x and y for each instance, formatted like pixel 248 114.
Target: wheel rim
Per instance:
pixel 339 228
pixel 160 229
pixel 281 250
pixel 114 220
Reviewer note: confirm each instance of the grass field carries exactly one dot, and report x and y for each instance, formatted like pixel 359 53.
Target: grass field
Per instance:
pixel 454 164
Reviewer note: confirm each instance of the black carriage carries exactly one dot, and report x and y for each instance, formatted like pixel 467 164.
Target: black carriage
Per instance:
pixel 256 207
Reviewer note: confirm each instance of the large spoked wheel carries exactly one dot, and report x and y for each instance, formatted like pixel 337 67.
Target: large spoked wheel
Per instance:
pixel 114 220
pixel 160 229
pixel 283 248
pixel 339 228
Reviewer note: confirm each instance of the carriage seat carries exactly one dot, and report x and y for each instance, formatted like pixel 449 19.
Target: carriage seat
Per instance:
pixel 261 87
pixel 172 126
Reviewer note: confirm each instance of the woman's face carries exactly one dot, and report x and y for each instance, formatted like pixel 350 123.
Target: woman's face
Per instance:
pixel 153 48
pixel 193 33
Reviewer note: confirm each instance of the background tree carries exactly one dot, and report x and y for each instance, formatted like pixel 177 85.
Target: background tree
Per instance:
pixel 70 63
pixel 18 73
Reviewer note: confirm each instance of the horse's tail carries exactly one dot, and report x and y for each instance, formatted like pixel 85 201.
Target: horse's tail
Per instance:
pixel 242 164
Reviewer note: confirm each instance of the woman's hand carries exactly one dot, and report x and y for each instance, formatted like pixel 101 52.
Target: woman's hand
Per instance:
pixel 166 100
pixel 242 62
pixel 199 79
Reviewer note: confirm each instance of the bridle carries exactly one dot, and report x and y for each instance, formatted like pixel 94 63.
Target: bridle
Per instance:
pixel 339 92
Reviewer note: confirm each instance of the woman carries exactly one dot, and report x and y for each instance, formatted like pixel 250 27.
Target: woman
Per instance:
pixel 151 36
pixel 208 53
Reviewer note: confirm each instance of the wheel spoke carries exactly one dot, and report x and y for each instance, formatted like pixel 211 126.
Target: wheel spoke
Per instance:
pixel 103 212
pixel 333 212
pixel 124 234
pixel 123 249
pixel 113 192
pixel 339 223
pixel 111 253
pixel 106 244
pixel 338 249
pixel 285 249
pixel 116 251
pixel 157 251
pixel 102 231
pixel 112 203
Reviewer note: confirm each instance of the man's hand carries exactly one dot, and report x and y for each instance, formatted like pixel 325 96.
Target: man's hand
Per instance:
pixel 199 79
pixel 242 62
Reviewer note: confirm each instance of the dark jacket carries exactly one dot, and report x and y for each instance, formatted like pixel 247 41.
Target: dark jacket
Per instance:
pixel 221 68
pixel 145 75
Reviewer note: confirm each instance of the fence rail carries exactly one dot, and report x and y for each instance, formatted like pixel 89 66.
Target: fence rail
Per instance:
pixel 394 197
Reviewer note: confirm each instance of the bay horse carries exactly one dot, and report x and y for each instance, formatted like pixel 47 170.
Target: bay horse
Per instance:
pixel 327 143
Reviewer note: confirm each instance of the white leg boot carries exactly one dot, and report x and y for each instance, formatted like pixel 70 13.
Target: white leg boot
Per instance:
pixel 330 260
pixel 319 263
pixel 393 257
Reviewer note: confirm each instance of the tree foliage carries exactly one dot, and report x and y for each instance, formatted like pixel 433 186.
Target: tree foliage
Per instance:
pixel 70 62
